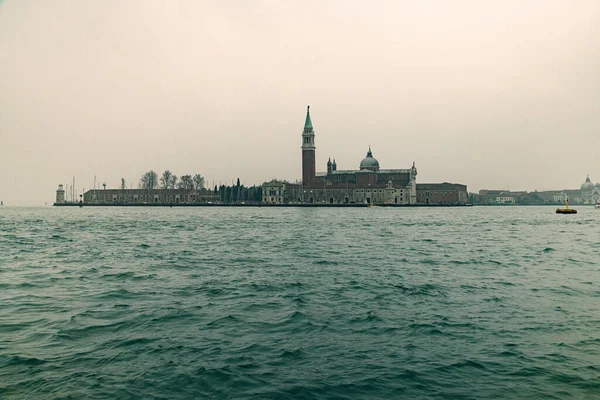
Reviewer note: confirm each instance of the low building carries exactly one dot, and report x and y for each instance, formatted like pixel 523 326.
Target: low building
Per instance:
pixel 560 197
pixel 506 198
pixel 589 193
pixel 509 197
pixel 442 193
pixel 531 198
pixel 149 196
pixel 278 192
pixel 487 196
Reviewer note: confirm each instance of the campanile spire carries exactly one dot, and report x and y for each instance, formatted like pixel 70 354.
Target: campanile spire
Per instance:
pixel 308 151
pixel 308 122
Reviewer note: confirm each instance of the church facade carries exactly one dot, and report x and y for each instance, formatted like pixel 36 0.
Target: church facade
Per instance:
pixel 369 184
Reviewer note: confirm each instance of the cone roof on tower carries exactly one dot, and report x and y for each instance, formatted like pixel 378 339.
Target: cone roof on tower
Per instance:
pixel 308 122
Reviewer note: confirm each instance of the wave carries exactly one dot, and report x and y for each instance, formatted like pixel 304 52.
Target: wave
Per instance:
pixel 264 303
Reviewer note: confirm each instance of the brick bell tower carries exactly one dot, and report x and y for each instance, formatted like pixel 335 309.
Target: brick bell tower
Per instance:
pixel 308 151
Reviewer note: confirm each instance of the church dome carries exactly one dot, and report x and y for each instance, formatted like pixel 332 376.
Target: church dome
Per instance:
pixel 369 162
pixel 587 184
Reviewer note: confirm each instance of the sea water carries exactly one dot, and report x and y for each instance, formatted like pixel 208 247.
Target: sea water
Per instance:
pixel 281 303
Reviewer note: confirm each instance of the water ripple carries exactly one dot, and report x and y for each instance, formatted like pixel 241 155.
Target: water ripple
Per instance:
pixel 177 303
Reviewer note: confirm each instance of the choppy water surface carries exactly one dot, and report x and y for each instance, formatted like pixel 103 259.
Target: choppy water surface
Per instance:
pixel 173 303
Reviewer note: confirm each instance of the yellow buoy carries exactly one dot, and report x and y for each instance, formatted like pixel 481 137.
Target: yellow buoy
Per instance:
pixel 566 210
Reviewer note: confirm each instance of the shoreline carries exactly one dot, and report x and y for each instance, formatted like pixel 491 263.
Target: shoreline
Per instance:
pixel 301 205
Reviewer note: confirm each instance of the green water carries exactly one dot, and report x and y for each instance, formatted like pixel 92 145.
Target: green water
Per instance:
pixel 178 303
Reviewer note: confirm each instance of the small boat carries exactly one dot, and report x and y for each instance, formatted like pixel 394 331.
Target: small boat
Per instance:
pixel 566 210
pixel 597 205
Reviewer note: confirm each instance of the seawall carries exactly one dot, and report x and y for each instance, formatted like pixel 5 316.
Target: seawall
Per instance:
pixel 255 205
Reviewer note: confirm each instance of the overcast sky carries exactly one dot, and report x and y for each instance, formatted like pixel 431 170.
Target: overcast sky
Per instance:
pixel 492 94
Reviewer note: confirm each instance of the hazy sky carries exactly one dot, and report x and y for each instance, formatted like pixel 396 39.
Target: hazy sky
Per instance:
pixel 493 94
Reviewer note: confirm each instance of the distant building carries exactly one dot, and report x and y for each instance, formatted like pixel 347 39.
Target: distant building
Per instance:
pixel 531 198
pixel 560 197
pixel 149 196
pixel 506 199
pixel 370 184
pixel 590 193
pixel 274 192
pixel 487 196
pixel 509 197
pixel 441 193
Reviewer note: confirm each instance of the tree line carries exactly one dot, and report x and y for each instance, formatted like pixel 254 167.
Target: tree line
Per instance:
pixel 168 180
pixel 239 193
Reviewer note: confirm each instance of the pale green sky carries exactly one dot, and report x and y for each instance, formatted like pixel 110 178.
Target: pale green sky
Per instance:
pixel 493 94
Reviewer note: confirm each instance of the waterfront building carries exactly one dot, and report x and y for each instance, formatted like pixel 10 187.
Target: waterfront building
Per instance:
pixel 486 196
pixel 274 191
pixel 559 196
pixel 148 196
pixel 506 198
pixel 369 184
pixel 529 198
pixel 588 193
pixel 441 193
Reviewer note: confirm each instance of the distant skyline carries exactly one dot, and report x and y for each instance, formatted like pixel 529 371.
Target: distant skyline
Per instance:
pixel 491 94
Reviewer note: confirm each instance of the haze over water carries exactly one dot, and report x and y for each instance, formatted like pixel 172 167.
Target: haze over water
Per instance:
pixel 171 303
